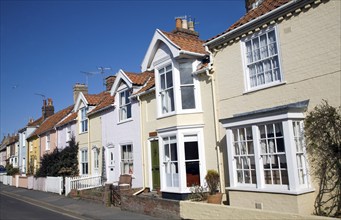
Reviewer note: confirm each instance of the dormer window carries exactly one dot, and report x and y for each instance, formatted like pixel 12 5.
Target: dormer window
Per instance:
pixel 125 105
pixel 166 89
pixel 84 120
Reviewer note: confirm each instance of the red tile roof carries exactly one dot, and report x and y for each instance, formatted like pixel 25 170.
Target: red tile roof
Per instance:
pixel 36 122
pixel 106 101
pixel 186 42
pixel 69 118
pixel 150 84
pixel 265 7
pixel 139 79
pixel 51 121
pixel 94 99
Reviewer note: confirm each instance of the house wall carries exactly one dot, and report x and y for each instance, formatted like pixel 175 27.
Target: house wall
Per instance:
pixel 309 44
pixel 35 153
pixel 108 137
pixel 82 139
pixel 53 143
pixel 61 135
pixel 128 132
pixel 95 140
pixel 302 54
pixel 3 155
pixel 149 124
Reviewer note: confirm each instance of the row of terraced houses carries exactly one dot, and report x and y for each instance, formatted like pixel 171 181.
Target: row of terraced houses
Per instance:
pixel 234 103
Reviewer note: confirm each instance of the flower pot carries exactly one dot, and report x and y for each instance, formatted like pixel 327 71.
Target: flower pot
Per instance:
pixel 215 199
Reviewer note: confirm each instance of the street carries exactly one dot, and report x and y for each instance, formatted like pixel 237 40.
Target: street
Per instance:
pixel 13 208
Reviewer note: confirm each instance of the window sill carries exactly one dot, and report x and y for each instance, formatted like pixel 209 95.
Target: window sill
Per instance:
pixel 187 112
pixel 264 87
pixel 269 190
pixel 125 121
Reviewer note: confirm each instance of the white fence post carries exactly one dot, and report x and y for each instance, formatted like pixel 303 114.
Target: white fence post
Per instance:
pixel 67 186
pixel 81 183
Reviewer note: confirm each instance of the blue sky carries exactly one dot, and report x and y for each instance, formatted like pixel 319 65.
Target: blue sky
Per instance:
pixel 46 44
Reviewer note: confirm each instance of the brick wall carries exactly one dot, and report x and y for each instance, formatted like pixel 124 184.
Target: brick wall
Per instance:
pixel 153 206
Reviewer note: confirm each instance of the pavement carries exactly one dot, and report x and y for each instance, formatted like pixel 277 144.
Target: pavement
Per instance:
pixel 81 209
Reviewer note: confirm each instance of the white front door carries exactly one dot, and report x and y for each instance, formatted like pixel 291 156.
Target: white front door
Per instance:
pixel 110 165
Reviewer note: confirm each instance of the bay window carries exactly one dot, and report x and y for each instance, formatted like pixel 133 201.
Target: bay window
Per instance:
pixel 267 152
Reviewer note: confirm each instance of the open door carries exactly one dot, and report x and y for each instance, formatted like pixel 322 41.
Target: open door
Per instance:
pixel 155 164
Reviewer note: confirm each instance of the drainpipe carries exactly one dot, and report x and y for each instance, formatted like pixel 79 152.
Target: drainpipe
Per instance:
pixel 89 150
pixel 142 146
pixel 216 128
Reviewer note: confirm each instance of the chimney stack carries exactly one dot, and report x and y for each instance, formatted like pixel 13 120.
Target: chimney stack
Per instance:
pixel 109 81
pixel 185 27
pixel 79 87
pixel 252 4
pixel 47 109
pixel 178 23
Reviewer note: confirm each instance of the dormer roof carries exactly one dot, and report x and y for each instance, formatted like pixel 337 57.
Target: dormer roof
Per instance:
pixel 179 43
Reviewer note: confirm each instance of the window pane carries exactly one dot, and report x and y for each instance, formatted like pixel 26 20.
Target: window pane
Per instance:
pixel 186 73
pixel 174 154
pixel 249 52
pixel 169 79
pixel 187 97
pixel 191 151
pixel 192 173
pixel 163 81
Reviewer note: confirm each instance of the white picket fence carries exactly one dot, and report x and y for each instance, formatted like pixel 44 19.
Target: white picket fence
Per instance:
pixel 81 183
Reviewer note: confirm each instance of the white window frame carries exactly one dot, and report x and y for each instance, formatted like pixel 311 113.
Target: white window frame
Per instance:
pixel 287 119
pixel 161 92
pixel 182 135
pixel 96 158
pixel 177 86
pixel 187 85
pixel 247 63
pixel 48 141
pixel 84 120
pixel 68 133
pixel 84 161
pixel 125 107
pixel 129 160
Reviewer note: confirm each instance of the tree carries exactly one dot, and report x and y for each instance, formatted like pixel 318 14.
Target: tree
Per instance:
pixel 323 135
pixel 60 163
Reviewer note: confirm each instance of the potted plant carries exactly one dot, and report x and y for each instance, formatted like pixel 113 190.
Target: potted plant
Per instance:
pixel 213 179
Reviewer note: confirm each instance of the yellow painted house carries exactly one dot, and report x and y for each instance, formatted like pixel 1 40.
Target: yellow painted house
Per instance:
pixel 270 69
pixel 33 141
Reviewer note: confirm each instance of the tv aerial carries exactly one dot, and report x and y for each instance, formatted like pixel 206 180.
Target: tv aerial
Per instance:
pixel 101 71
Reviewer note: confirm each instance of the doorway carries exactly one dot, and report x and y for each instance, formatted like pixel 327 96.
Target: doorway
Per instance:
pixel 154 146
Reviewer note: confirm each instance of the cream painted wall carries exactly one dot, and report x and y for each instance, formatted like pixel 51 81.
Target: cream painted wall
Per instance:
pixel 310 58
pixel 95 139
pixel 309 44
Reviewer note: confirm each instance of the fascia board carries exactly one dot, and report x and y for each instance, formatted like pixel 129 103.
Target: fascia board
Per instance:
pixel 120 76
pixel 80 98
pixel 158 37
